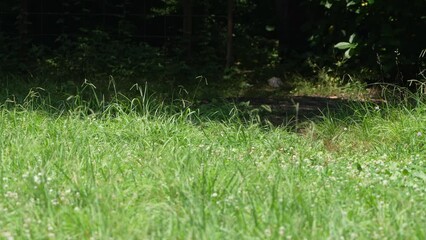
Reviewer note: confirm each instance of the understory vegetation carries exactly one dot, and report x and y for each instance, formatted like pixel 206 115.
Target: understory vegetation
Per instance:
pixel 140 168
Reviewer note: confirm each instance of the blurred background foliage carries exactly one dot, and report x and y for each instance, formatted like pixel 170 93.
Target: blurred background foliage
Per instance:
pixel 171 42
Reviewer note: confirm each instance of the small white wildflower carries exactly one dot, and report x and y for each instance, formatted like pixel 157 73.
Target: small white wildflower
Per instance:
pixel 419 134
pixel 8 235
pixel 49 228
pixel 55 202
pixel 230 198
pixel 376 108
pixel 268 232
pixel 11 195
pixel 37 179
pixel 214 195
pixel 281 231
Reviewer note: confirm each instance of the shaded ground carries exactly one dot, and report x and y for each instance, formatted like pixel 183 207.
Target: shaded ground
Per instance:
pixel 301 108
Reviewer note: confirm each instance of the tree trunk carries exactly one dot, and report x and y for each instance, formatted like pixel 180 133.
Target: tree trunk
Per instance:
pixel 230 32
pixel 187 27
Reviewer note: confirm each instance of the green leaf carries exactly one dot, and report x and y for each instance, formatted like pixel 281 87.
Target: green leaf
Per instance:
pixel 269 28
pixel 343 45
pixel 351 38
pixel 328 5
pixel 370 1
pixel 350 3
pixel 266 107
pixel 348 53
pixel 244 104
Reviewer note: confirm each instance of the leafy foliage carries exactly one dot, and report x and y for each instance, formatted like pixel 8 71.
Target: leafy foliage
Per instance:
pixel 143 39
pixel 386 31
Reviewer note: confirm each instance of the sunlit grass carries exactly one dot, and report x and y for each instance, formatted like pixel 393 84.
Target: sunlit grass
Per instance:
pixel 136 169
pixel 329 84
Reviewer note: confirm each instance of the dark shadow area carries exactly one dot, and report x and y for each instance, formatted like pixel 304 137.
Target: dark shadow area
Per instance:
pixel 293 110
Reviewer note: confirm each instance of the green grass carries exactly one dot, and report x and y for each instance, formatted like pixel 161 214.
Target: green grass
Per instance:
pixel 133 169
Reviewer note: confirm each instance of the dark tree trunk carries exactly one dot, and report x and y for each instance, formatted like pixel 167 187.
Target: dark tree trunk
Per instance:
pixel 230 32
pixel 187 27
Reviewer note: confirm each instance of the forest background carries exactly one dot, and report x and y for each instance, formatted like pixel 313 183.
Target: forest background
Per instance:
pixel 234 45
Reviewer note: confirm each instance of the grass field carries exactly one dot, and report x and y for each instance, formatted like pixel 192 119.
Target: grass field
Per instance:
pixel 134 169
